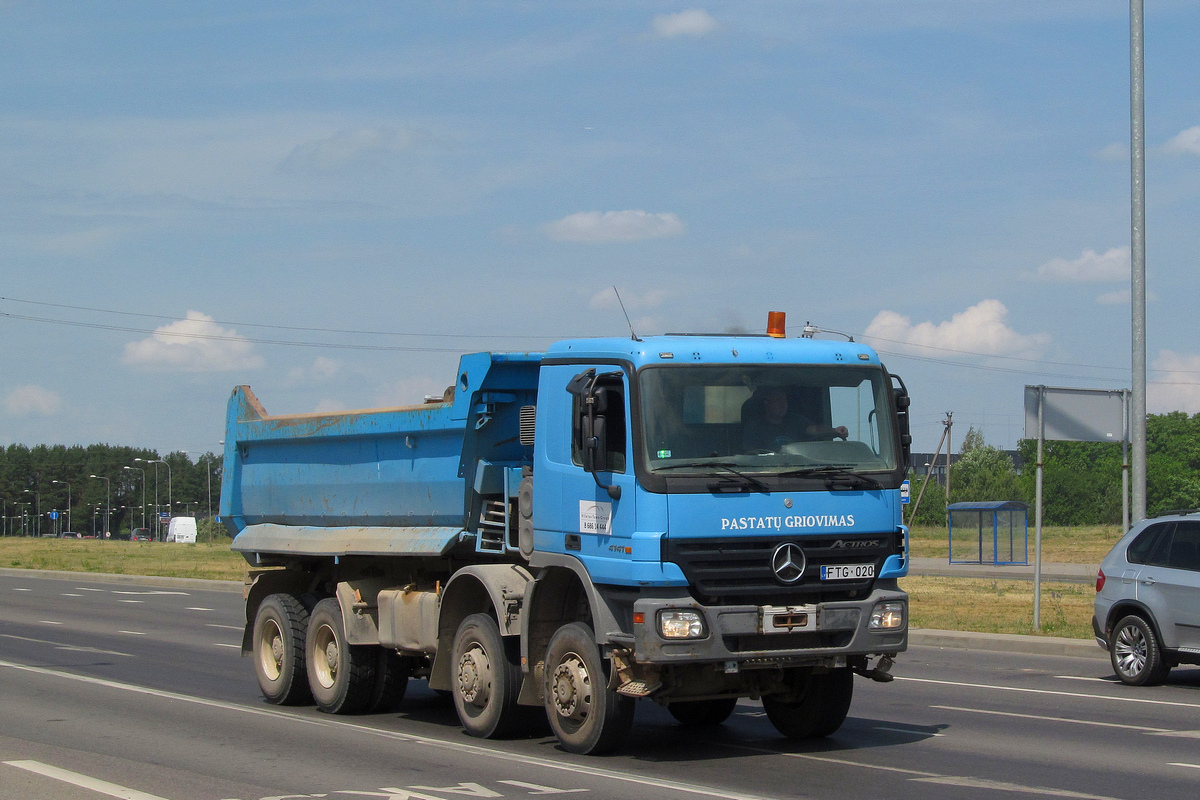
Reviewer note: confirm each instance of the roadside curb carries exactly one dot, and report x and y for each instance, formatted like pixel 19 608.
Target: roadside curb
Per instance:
pixel 1007 642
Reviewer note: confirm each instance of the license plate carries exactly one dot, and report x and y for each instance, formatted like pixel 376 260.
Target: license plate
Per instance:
pixel 847 572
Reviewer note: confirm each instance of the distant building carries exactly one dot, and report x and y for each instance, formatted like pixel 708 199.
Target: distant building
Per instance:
pixel 921 463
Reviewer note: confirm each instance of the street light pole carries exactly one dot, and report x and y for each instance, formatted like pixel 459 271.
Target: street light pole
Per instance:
pixel 168 466
pixel 139 469
pixel 68 503
pixel 107 501
pixel 37 510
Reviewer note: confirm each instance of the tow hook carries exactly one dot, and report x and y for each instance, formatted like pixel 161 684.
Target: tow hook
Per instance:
pixel 880 672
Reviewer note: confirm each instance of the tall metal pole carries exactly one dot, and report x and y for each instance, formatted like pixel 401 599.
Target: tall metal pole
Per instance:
pixel 1037 514
pixel 1137 136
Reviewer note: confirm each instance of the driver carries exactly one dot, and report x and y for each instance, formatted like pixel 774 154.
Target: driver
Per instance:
pixel 769 426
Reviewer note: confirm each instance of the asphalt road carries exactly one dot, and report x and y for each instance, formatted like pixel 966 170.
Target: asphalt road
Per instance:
pixel 138 691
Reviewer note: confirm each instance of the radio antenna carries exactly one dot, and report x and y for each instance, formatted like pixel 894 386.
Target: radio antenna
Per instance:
pixel 626 313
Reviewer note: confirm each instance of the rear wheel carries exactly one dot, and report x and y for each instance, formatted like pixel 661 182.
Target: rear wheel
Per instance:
pixel 391 682
pixel 341 676
pixel 280 627
pixel 817 706
pixel 1135 653
pixel 703 712
pixel 487 679
pixel 585 715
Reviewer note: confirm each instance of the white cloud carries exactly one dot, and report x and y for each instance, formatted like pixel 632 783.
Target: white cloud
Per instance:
pixel 694 22
pixel 1187 141
pixel 1112 265
pixel 594 227
pixel 409 392
pixel 349 148
pixel 1117 151
pixel 322 369
pixel 981 329
pixel 29 400
pixel 1175 385
pixel 195 344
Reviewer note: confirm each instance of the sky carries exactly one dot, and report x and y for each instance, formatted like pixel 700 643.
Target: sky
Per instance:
pixel 331 201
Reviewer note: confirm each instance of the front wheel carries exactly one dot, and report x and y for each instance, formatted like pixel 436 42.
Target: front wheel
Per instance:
pixel 487 679
pixel 341 676
pixel 697 713
pixel 585 715
pixel 817 706
pixel 1135 653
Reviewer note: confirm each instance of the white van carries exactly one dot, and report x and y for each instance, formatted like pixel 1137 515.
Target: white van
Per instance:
pixel 182 530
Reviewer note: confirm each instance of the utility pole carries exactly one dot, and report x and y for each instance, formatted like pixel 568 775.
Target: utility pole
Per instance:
pixel 949 423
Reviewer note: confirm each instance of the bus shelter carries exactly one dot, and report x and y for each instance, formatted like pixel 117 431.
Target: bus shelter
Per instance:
pixel 991 532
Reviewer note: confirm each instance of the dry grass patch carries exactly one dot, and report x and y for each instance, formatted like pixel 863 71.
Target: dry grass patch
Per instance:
pixel 1083 545
pixel 995 606
pixel 206 561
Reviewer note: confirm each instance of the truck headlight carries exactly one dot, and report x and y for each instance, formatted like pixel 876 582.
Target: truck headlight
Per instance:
pixel 679 623
pixel 887 615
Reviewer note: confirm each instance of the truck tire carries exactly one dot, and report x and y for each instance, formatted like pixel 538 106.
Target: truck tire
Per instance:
pixel 696 713
pixel 341 676
pixel 820 710
pixel 391 682
pixel 585 715
pixel 280 626
pixel 487 679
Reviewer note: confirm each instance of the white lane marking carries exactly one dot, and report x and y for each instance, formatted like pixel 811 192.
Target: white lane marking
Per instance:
pixel 1139 728
pixel 954 780
pixel 131 601
pixel 133 633
pixel 1084 678
pixel 150 592
pixel 1052 692
pixel 88 589
pixel 537 789
pixel 219 644
pixel 225 627
pixel 71 594
pixel 197 608
pixel 979 783
pixel 49 622
pixel 913 731
pixel 1184 764
pixel 462 747
pixel 61 646
pixel 21 589
pixel 82 781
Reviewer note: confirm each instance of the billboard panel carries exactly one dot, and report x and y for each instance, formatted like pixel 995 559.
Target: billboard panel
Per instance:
pixel 1077 415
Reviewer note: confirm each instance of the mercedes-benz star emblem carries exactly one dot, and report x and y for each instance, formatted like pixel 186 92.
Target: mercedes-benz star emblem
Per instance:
pixel 787 562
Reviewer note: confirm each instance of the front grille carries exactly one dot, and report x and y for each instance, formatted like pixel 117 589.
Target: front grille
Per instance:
pixel 739 569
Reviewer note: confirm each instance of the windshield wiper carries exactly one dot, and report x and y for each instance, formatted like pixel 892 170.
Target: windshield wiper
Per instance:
pixel 725 465
pixel 831 472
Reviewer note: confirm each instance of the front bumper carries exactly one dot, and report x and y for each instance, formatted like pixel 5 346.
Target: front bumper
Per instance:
pixel 747 634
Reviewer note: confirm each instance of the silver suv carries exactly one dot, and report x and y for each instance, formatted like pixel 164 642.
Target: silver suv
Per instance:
pixel 1147 611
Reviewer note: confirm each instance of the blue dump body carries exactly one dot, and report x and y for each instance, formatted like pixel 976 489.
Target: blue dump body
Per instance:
pixel 384 469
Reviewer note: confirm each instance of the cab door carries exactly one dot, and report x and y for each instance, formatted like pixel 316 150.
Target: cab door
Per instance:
pixel 586 486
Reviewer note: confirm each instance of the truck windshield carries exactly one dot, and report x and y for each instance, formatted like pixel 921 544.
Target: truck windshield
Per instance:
pixel 784 420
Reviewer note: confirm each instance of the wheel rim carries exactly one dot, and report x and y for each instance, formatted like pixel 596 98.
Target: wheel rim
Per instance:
pixel 475 676
pixel 271 650
pixel 572 689
pixel 1131 650
pixel 326 656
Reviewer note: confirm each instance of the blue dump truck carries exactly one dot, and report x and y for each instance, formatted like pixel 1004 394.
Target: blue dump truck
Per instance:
pixel 688 519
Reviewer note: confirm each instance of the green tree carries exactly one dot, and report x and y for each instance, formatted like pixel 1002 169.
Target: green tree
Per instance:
pixel 983 473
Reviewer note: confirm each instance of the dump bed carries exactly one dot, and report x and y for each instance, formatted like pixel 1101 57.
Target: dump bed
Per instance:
pixel 393 480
